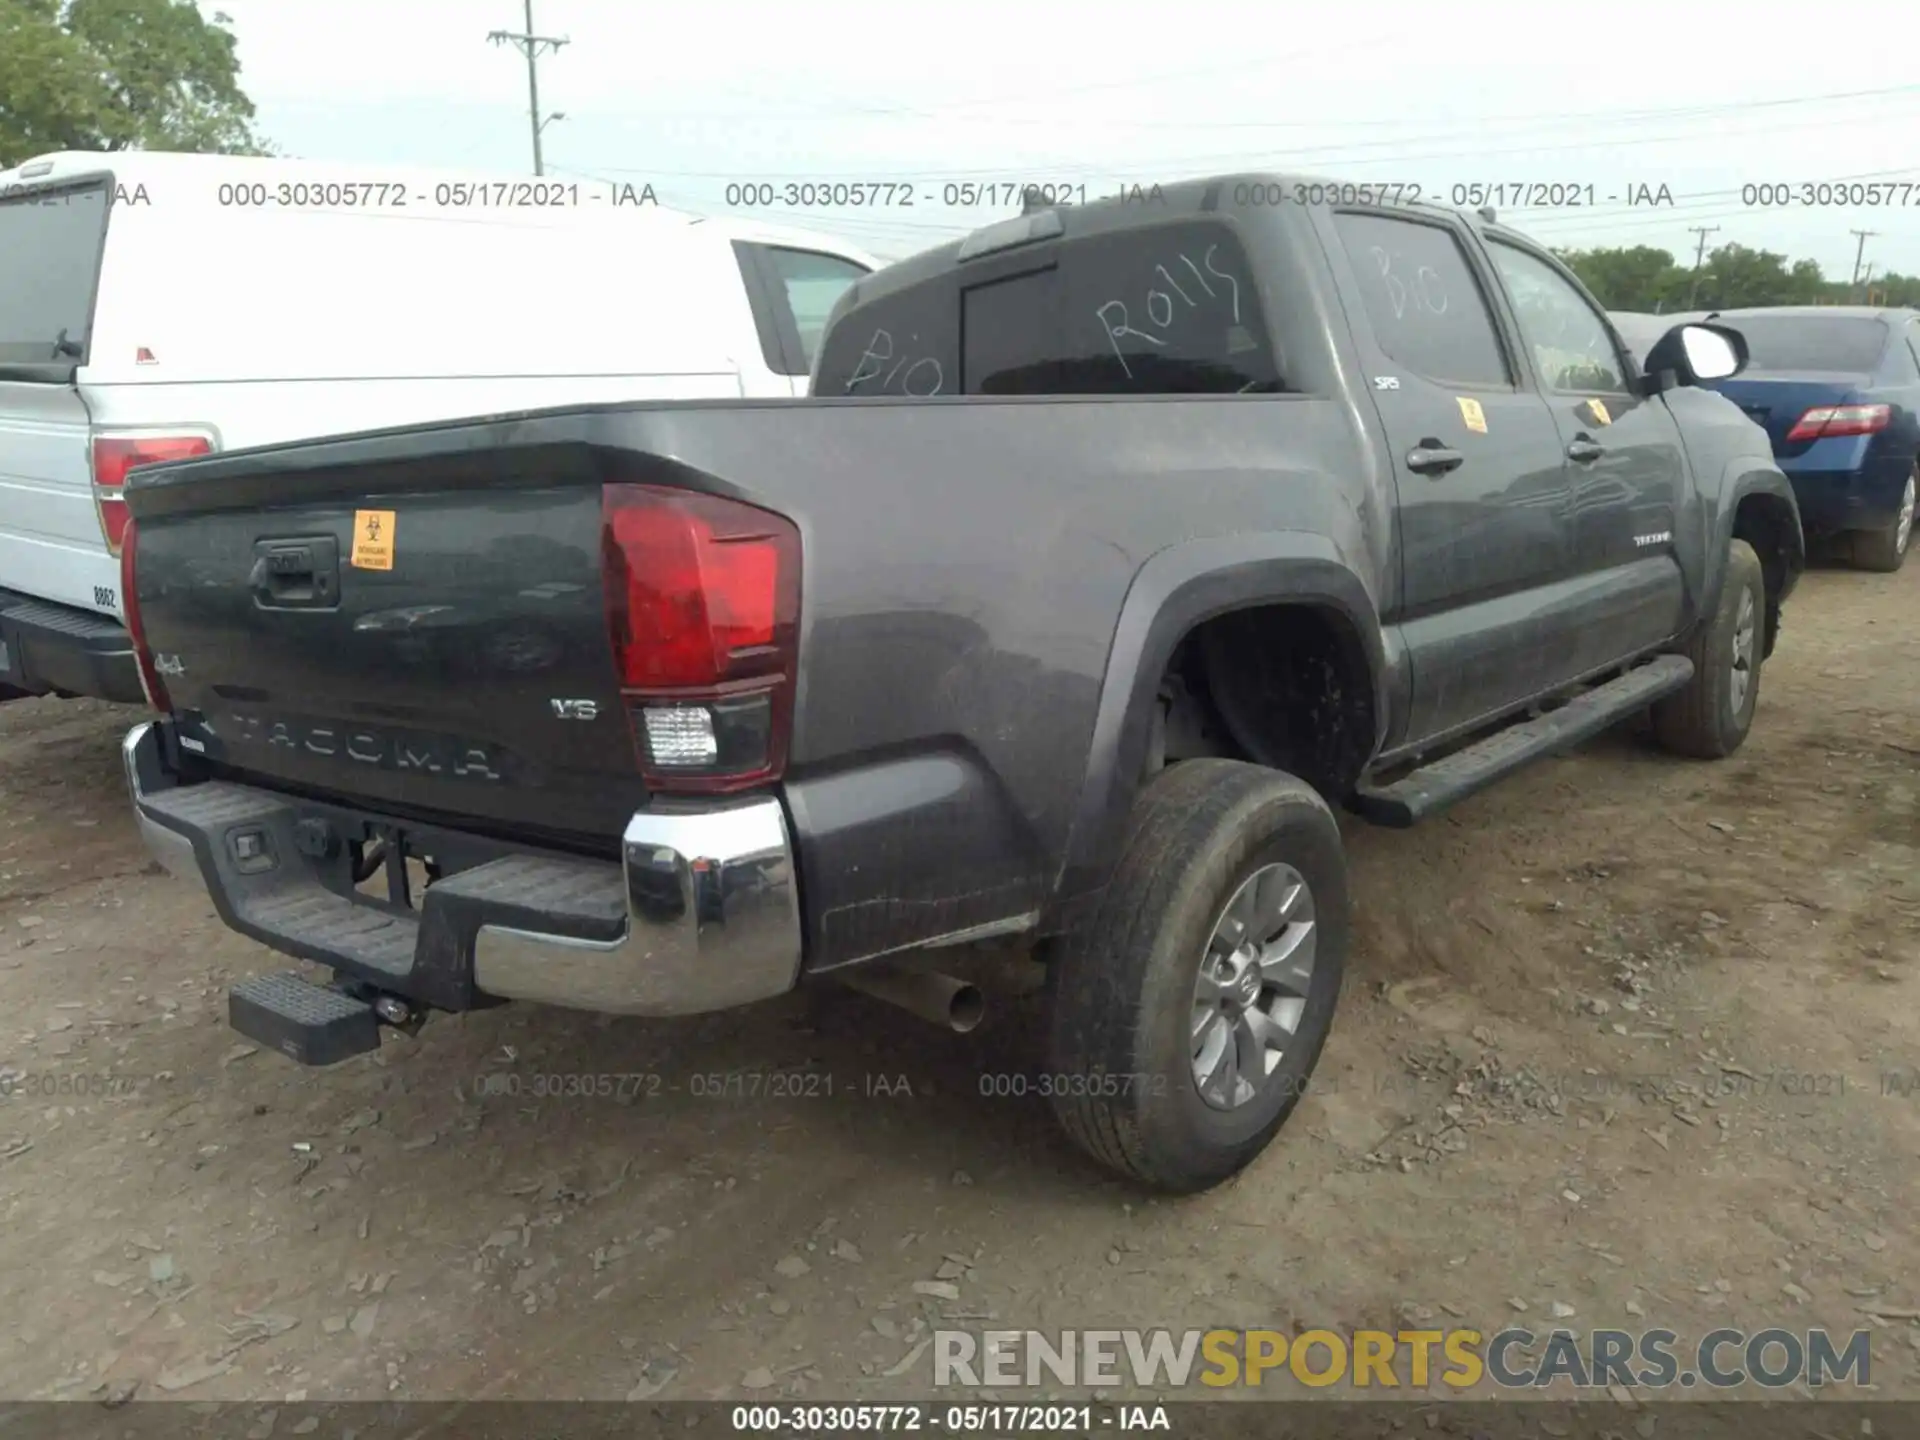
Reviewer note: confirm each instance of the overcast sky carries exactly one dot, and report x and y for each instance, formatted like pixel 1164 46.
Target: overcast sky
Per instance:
pixel 1702 98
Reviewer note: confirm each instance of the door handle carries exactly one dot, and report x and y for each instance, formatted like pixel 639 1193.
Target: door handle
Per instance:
pixel 1430 457
pixel 1585 451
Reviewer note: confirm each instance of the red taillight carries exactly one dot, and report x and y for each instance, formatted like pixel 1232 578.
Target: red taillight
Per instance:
pixel 703 606
pixel 130 601
pixel 115 455
pixel 1824 421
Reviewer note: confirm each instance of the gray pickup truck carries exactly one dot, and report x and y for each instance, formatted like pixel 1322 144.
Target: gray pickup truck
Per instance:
pixel 1119 544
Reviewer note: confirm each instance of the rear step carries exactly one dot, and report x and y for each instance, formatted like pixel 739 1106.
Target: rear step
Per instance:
pixel 1434 787
pixel 310 1023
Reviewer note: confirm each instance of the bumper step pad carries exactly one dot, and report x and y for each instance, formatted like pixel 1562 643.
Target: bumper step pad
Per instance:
pixel 304 1021
pixel 699 912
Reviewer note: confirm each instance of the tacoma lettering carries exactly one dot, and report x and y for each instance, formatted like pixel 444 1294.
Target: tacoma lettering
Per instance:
pixel 367 747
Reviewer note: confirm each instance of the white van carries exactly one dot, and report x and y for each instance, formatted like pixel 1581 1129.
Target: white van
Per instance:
pixel 155 306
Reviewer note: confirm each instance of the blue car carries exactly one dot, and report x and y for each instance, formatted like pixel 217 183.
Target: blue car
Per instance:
pixel 1837 389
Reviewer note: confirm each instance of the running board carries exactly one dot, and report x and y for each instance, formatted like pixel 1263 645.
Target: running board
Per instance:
pixel 1434 787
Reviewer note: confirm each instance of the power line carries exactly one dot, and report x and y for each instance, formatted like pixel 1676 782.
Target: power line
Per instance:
pixel 1157 123
pixel 1263 159
pixel 1562 116
pixel 1552 224
pixel 1705 204
pixel 532 46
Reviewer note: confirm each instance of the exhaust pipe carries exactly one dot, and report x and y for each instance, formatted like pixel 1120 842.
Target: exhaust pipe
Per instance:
pixel 932 996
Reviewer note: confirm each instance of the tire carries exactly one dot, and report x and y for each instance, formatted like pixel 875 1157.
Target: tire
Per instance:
pixel 1885 551
pixel 1123 990
pixel 1710 718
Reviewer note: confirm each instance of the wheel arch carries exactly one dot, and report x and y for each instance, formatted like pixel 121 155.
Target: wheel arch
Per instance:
pixel 1177 591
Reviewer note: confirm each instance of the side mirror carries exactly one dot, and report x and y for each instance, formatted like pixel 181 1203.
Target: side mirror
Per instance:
pixel 1695 353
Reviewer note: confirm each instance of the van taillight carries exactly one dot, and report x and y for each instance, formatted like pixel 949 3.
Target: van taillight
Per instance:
pixel 1824 421
pixel 115 455
pixel 130 601
pixel 703 606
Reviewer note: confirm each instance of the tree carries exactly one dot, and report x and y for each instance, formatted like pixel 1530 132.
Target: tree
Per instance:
pixel 1893 288
pixel 1731 278
pixel 119 75
pixel 1636 278
pixel 1735 277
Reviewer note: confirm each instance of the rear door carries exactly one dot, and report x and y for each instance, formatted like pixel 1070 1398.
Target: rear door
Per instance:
pixel 1627 466
pixel 51 545
pixel 792 292
pixel 1482 480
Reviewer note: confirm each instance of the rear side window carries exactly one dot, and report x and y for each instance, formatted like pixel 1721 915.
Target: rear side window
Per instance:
pixel 49 265
pixel 1423 303
pixel 1161 310
pixel 1811 342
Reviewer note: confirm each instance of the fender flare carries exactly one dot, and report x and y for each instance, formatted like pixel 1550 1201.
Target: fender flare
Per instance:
pixel 1177 589
pixel 1743 478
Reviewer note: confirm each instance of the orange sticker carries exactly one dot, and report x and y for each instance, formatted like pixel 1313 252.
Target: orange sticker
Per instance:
pixel 373 539
pixel 1599 412
pixel 1472 414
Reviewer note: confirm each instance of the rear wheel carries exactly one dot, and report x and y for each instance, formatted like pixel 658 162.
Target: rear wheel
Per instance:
pixel 1885 550
pixel 1710 718
pixel 1188 1013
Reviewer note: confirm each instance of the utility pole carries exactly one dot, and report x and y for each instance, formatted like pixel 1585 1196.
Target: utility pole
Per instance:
pixel 1860 252
pixel 1699 259
pixel 532 46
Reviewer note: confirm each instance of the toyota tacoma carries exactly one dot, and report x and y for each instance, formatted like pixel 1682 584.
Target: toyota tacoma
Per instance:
pixel 1119 546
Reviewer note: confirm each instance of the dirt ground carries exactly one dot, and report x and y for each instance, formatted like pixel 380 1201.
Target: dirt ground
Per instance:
pixel 1626 1037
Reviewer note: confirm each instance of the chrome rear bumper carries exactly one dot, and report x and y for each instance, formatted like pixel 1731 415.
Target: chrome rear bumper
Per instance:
pixel 713 921
pixel 701 913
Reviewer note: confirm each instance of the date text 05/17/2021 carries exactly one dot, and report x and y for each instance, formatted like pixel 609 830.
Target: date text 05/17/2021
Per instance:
pixel 790 194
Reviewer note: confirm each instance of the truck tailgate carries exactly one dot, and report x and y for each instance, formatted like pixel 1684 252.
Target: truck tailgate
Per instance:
pixel 427 636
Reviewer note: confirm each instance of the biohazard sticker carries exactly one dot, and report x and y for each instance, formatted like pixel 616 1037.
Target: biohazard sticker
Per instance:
pixel 373 539
pixel 1599 413
pixel 1472 414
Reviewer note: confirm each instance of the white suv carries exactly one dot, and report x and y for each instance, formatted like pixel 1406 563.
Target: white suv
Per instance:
pixel 156 306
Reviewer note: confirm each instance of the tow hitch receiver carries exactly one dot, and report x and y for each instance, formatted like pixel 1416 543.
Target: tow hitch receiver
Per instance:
pixel 312 1024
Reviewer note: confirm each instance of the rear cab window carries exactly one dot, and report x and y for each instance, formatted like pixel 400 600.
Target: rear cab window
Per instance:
pixel 1164 308
pixel 50 247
